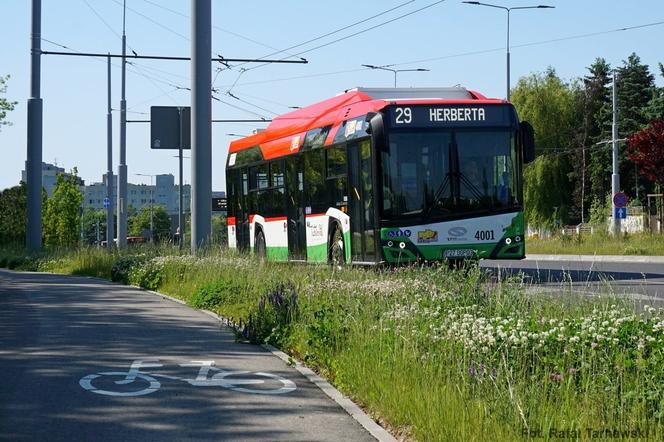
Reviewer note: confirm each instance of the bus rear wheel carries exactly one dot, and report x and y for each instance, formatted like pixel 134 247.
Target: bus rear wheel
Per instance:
pixel 337 252
pixel 260 245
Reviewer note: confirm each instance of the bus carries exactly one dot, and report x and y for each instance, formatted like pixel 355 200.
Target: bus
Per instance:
pixel 383 176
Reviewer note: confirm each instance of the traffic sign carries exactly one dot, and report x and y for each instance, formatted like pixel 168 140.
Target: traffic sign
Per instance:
pixel 620 199
pixel 219 204
pixel 620 212
pixel 107 203
pixel 170 126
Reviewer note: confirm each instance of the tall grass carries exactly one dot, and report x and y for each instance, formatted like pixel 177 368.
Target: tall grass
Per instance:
pixel 598 244
pixel 434 354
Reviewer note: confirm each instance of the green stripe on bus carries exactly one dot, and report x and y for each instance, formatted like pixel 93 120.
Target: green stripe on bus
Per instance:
pixel 277 253
pixel 317 253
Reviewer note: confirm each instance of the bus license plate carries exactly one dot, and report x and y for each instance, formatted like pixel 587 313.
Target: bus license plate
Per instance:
pixel 459 253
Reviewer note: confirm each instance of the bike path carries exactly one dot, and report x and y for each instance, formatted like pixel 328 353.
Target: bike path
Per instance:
pixel 56 330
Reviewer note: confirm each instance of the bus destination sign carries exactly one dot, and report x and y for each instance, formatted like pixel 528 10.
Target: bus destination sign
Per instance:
pixel 449 115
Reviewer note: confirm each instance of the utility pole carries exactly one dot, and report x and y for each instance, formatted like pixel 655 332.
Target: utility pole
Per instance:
pixel 615 177
pixel 151 213
pixel 180 187
pixel 122 169
pixel 33 164
pixel 201 114
pixel 109 165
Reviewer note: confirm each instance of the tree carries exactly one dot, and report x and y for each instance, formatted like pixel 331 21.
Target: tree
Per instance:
pixel 655 109
pixel 62 220
pixel 596 121
pixel 549 105
pixel 91 220
pixel 140 223
pixel 13 218
pixel 219 230
pixel 5 105
pixel 635 90
pixel 646 149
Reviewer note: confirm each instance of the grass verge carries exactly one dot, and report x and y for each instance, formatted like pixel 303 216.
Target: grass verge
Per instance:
pixel 598 244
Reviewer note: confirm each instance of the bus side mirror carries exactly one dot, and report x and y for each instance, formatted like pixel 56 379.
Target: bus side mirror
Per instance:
pixel 527 135
pixel 376 129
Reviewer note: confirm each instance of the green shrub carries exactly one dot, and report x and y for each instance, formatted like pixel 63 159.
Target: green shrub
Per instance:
pixel 216 294
pixel 148 274
pixel 19 261
pixel 271 321
pixel 123 265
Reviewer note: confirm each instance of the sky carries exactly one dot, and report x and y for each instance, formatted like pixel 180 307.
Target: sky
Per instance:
pixel 459 44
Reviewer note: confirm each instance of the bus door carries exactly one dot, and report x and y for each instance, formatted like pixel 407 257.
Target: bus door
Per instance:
pixel 361 202
pixel 297 239
pixel 241 210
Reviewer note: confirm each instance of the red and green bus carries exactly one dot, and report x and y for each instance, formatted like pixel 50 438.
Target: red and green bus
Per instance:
pixel 386 176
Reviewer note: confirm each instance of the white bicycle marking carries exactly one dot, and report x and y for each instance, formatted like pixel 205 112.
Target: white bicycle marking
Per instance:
pixel 221 378
pixel 232 384
pixel 86 383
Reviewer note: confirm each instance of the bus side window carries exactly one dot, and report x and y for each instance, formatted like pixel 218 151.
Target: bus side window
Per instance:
pixel 314 178
pixel 336 166
pixel 277 174
pixel 336 161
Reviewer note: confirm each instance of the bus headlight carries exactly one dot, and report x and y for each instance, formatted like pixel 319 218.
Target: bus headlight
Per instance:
pixel 402 245
pixel 508 241
pixel 390 244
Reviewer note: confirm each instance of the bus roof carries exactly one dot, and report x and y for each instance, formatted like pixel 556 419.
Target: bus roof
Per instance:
pixel 286 132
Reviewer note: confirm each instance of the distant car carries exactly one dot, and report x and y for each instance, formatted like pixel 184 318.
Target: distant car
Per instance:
pixel 130 240
pixel 136 240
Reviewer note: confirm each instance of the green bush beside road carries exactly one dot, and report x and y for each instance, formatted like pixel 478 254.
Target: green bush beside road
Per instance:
pixel 434 354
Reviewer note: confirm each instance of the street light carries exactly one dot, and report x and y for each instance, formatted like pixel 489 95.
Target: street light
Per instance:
pixel 504 8
pixel 385 68
pixel 151 209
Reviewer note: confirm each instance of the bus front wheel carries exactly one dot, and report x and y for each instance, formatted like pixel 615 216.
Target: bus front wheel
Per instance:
pixel 337 252
pixel 260 245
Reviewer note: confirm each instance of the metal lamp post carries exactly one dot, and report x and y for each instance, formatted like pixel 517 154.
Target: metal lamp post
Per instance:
pixel 395 71
pixel 508 10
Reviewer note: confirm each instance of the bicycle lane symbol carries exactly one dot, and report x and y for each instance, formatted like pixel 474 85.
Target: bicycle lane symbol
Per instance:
pixel 241 381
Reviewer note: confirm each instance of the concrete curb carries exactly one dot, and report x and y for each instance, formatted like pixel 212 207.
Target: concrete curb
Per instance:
pixel 597 258
pixel 351 408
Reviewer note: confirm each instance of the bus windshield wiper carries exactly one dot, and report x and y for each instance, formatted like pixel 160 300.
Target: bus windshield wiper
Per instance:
pixel 439 193
pixel 474 190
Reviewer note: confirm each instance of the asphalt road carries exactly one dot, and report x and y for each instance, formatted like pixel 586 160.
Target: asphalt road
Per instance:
pixel 640 278
pixel 58 333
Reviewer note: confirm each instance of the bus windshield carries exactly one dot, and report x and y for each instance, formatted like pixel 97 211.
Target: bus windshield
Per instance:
pixel 443 173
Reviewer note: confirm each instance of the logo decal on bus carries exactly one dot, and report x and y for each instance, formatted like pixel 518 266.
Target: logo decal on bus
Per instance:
pixel 457 231
pixel 295 143
pixel 398 233
pixel 426 236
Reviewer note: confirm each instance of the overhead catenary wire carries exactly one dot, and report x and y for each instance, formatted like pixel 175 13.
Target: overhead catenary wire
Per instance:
pixel 175 86
pixel 151 20
pixel 251 104
pixel 460 54
pixel 336 31
pixel 235 34
pixel 534 43
pixel 240 108
pixel 155 80
pixel 354 34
